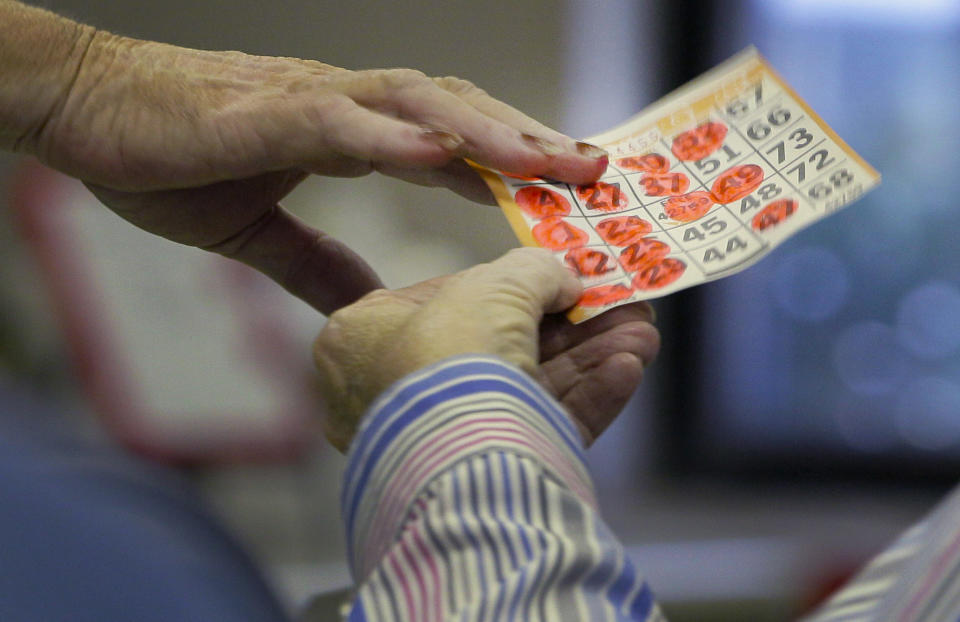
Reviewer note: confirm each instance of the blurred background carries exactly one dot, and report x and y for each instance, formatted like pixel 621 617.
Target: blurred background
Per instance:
pixel 802 413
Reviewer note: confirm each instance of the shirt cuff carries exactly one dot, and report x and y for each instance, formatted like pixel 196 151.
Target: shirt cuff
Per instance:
pixel 435 418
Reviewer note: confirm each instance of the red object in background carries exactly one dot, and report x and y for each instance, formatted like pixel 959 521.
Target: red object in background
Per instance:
pixel 659 274
pixel 589 261
pixel 774 213
pixel 623 230
pixel 603 295
pixel 826 583
pixel 688 207
pixel 542 202
pixel 649 163
pixel 557 234
pixel 736 182
pixel 643 253
pixel 41 202
pixel 664 184
pixel 603 197
pixel 699 142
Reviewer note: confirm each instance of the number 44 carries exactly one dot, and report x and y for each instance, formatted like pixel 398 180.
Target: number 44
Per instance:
pixel 714 253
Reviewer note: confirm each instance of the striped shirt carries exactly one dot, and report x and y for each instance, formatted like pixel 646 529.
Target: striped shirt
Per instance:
pixel 466 498
pixel 916 579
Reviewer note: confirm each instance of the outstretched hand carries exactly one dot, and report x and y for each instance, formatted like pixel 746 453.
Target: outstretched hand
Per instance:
pixel 200 146
pixel 496 308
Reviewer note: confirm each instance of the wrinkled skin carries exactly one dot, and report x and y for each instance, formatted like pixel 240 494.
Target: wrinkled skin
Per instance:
pixel 199 147
pixel 497 309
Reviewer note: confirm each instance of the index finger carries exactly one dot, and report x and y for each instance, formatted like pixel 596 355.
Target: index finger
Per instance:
pixel 529 127
pixel 491 132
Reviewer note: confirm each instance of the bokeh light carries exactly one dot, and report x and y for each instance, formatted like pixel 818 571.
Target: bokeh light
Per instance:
pixel 928 320
pixel 811 283
pixel 869 359
pixel 928 413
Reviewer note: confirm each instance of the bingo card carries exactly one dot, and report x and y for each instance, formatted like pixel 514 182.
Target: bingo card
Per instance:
pixel 700 185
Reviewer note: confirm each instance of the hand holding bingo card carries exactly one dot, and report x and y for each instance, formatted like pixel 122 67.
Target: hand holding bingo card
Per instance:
pixel 700 185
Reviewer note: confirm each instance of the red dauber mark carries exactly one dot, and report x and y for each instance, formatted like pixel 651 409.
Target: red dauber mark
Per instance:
pixel 688 207
pixel 623 230
pixel 699 142
pixel 557 234
pixel 774 213
pixel 649 163
pixel 603 197
pixel 603 295
pixel 664 184
pixel 640 254
pixel 541 202
pixel 659 274
pixel 736 182
pixel 589 261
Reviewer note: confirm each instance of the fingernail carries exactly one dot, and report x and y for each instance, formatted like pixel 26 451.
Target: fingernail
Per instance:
pixel 446 139
pixel 591 151
pixel 542 144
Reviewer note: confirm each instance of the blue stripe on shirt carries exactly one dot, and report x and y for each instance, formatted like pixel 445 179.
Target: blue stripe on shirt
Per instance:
pixel 414 398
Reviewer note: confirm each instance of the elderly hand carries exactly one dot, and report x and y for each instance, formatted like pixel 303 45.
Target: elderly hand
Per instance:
pixel 199 146
pixel 496 308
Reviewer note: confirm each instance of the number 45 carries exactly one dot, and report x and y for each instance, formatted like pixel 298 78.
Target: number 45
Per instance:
pixel 710 226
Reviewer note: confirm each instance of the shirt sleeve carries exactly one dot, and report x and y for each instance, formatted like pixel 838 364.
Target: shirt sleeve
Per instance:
pixel 917 578
pixel 466 497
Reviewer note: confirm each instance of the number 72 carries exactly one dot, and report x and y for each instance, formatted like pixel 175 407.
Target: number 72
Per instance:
pixel 820 158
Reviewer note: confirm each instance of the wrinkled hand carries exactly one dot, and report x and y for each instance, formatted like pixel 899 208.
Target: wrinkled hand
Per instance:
pixel 496 308
pixel 200 146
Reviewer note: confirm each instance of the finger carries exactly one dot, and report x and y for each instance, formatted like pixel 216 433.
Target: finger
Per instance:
pixel 487 140
pixel 496 109
pixel 457 176
pixel 592 156
pixel 492 308
pixel 500 145
pixel 566 370
pixel 558 334
pixel 602 393
pixel 337 126
pixel 317 268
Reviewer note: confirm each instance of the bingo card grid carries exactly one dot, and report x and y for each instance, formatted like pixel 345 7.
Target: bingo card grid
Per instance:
pixel 757 165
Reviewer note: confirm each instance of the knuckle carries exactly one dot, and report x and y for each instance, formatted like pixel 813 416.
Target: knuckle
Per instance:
pixel 529 254
pixel 235 244
pixel 397 79
pixel 540 259
pixel 332 332
pixel 459 86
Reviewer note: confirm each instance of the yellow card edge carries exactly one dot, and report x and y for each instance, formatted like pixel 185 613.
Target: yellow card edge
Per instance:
pixel 507 205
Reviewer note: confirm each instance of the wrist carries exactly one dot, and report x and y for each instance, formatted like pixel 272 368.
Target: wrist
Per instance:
pixel 40 57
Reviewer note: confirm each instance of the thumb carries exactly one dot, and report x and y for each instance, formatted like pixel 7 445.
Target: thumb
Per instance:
pixel 313 266
pixel 529 279
pixel 242 220
pixel 492 308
